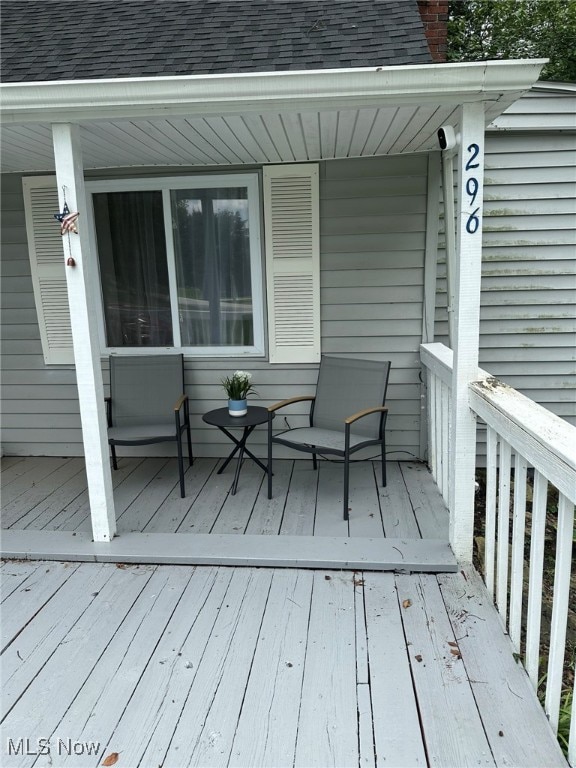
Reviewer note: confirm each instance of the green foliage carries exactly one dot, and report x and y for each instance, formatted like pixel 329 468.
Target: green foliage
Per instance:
pixel 479 30
pixel 239 385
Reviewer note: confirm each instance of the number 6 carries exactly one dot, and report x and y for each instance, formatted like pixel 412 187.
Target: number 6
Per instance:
pixel 473 222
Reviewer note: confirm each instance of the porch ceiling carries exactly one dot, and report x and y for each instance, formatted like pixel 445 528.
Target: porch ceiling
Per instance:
pixel 273 117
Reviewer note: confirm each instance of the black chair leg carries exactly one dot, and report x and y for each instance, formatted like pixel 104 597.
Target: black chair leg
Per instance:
pixel 314 461
pixel 190 454
pixel 383 466
pixel 346 483
pixel 269 457
pixel 113 452
pixel 181 467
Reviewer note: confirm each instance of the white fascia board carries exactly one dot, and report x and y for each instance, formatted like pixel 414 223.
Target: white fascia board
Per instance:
pixel 89 100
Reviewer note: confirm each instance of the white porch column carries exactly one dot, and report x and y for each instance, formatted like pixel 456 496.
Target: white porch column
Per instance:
pixel 466 328
pixel 70 179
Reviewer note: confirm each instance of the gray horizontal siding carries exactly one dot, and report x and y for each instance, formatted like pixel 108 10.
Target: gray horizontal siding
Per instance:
pixel 373 221
pixel 528 300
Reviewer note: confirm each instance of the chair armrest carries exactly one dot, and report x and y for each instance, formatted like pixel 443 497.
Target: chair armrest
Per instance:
pixel 367 412
pixel 289 401
pixel 179 403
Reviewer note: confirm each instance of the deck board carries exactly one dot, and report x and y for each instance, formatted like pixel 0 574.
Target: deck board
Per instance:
pixel 442 688
pixel 259 667
pixel 50 494
pixel 500 685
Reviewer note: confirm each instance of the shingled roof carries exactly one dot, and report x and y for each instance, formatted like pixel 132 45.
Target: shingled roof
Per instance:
pixel 84 39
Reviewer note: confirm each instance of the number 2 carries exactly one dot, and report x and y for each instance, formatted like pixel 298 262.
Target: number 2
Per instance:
pixel 474 149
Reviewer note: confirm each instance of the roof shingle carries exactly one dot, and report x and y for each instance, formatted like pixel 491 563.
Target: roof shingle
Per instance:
pixel 46 40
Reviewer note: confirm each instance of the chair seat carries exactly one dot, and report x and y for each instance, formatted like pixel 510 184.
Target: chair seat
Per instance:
pixel 321 438
pixel 142 433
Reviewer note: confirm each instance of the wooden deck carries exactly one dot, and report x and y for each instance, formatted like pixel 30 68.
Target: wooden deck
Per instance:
pixel 179 666
pixel 45 510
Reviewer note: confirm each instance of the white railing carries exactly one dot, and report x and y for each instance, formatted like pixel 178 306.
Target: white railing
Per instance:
pixel 523 440
pixel 438 361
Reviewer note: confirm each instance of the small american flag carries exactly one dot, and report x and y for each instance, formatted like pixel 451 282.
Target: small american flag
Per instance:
pixel 67 220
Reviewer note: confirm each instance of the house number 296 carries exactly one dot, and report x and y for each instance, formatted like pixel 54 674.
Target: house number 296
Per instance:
pixel 472 185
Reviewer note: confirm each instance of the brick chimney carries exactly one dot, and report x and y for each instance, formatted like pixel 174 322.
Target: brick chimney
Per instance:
pixel 434 14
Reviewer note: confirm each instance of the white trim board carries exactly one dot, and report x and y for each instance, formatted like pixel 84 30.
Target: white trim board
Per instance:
pixel 404 555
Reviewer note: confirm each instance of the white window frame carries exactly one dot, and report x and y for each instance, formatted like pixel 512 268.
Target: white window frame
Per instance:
pixel 164 185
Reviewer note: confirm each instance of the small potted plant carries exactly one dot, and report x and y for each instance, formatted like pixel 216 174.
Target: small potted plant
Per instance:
pixel 238 387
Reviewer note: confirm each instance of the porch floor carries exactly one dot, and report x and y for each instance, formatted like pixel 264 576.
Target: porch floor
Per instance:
pixel 42 495
pixel 209 666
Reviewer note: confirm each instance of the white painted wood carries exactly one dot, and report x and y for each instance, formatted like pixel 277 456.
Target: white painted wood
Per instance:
pixel 534 615
pixel 431 421
pixel 76 515
pixel 70 178
pixel 267 514
pixel 70 665
pixel 562 573
pixel 440 678
pixel 291 220
pixel 171 514
pixel 12 468
pixel 439 360
pixel 365 727
pixel 236 511
pixel 132 668
pixel 109 689
pixel 299 510
pixel 546 440
pixel 23 604
pixel 503 545
pixel 268 723
pixel 490 526
pixel 47 252
pixel 42 502
pixel 142 510
pixel 12 574
pixel 17 509
pixel 446 408
pixel 365 517
pixel 362 668
pixel 518 536
pixel 430 512
pixel 47 629
pixel 449 235
pixel 466 331
pixel 327 730
pixel 205 510
pixel 37 470
pixel 514 722
pixel 397 512
pixel 144 733
pixel 409 555
pixel 397 736
pixel 205 732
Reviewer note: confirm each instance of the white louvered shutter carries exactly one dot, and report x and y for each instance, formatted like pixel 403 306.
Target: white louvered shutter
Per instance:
pixel 291 215
pixel 46 249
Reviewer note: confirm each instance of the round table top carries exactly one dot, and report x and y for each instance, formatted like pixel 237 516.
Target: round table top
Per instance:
pixel 221 418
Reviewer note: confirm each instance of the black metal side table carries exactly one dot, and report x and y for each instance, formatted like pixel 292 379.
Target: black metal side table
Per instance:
pixel 221 418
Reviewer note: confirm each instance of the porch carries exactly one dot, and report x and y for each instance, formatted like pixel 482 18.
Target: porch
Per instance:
pixel 217 666
pixel 46 513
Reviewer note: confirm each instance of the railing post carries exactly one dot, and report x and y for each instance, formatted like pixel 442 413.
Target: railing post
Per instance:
pixel 466 328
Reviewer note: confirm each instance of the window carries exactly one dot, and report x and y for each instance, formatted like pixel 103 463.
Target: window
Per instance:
pixel 180 263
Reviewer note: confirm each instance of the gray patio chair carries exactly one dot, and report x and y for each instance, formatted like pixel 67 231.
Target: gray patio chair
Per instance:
pixel 147 404
pixel 346 414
